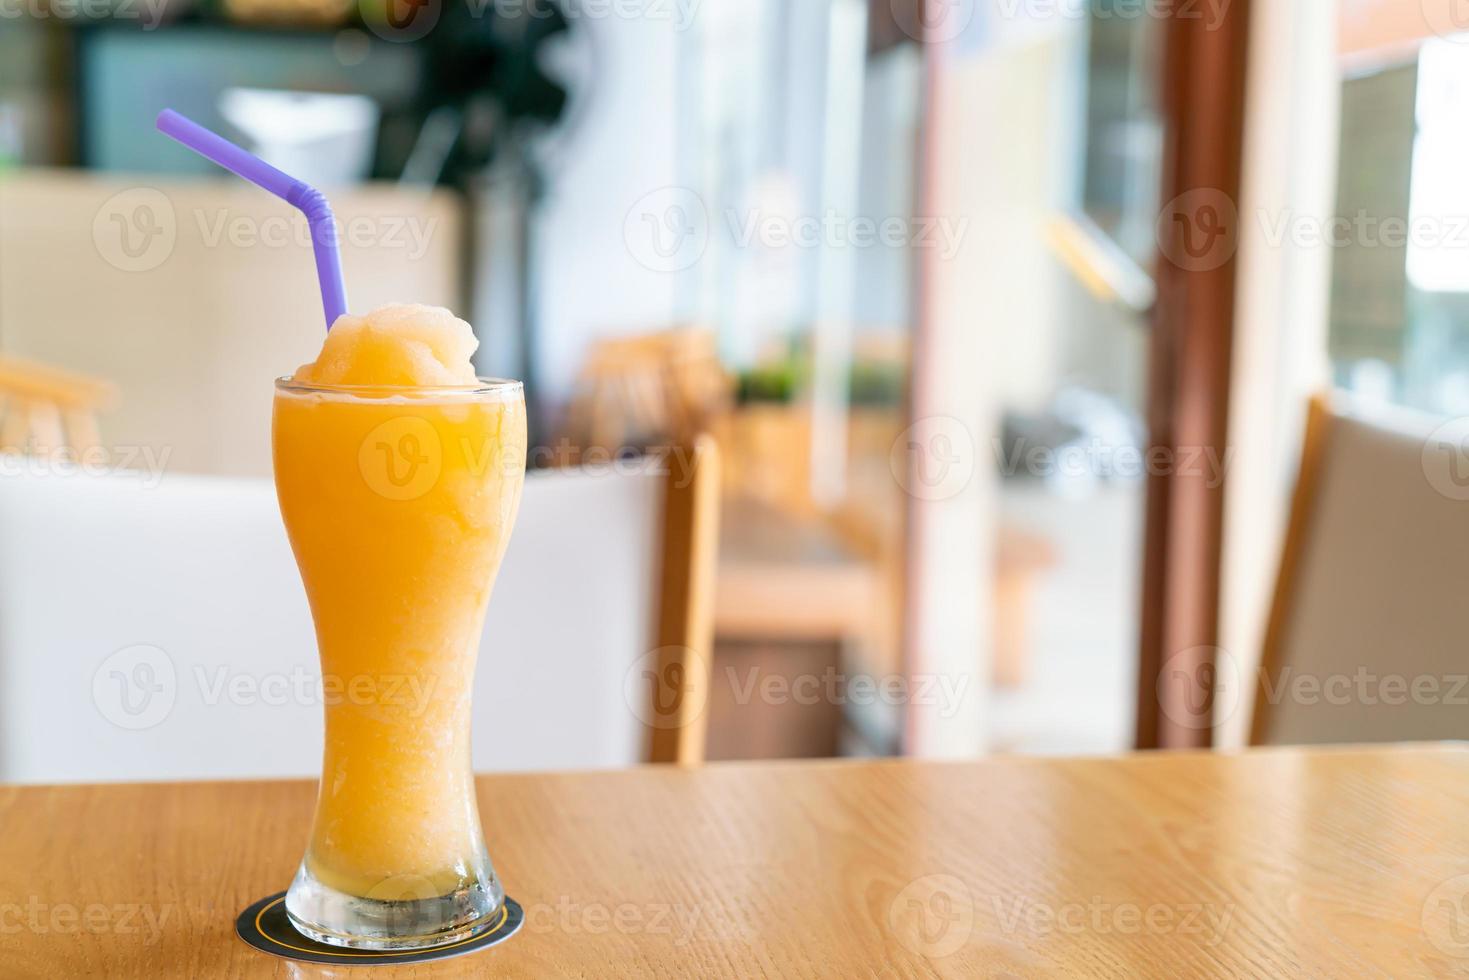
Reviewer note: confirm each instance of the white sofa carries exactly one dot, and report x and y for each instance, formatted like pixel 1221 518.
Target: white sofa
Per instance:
pixel 155 628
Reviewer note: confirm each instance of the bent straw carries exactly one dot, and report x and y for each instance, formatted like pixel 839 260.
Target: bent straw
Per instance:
pixel 298 194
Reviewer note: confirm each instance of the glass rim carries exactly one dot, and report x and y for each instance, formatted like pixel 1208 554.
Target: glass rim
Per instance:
pixel 482 386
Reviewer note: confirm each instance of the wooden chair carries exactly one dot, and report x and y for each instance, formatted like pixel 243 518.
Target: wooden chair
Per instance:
pixel 43 409
pixel 647 389
pixel 690 552
pixel 1365 640
pixel 607 584
pixel 622 568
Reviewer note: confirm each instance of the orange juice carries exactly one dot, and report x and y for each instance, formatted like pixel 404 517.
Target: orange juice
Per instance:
pixel 399 501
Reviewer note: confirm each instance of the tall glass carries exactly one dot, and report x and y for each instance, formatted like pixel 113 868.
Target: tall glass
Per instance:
pixel 399 503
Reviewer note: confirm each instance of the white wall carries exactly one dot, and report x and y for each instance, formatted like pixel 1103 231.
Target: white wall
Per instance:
pixel 722 116
pixel 1282 297
pixel 590 283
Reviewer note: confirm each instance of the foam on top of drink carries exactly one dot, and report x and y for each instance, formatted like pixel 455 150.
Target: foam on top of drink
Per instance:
pixel 402 344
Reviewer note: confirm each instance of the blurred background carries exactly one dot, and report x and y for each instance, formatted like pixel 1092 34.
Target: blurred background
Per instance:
pixel 982 300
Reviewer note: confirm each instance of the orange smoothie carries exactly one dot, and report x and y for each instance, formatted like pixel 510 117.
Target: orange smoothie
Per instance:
pixel 398 475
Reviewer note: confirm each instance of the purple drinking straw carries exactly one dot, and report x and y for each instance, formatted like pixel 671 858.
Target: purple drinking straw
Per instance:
pixel 299 194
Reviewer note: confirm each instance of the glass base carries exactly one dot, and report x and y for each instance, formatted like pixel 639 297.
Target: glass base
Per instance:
pixel 329 916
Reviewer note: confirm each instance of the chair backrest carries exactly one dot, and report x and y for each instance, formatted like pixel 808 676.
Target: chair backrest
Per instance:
pixel 1365 637
pixel 42 408
pixel 677 696
pixel 156 628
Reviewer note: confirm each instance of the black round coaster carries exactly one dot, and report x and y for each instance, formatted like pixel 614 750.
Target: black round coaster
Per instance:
pixel 266 926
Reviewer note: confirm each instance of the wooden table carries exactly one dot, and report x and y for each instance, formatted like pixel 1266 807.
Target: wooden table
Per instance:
pixel 788 579
pixel 792 601
pixel 1270 864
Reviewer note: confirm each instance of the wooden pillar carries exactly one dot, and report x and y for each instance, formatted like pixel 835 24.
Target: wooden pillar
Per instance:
pixel 1203 89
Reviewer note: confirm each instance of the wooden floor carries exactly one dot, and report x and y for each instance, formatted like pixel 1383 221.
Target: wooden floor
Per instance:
pixel 1276 864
